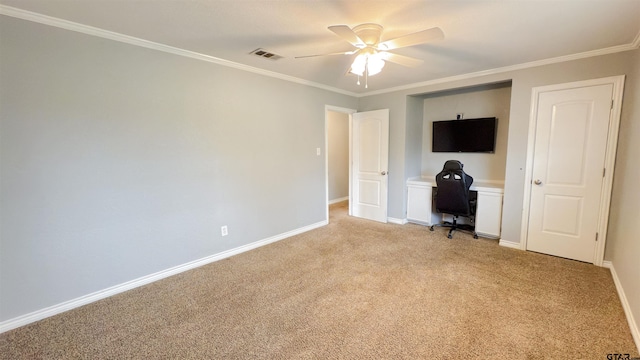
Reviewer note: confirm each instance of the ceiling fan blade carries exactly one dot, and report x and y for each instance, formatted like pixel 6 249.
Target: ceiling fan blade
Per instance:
pixel 346 33
pixel 401 59
pixel 417 38
pixel 336 53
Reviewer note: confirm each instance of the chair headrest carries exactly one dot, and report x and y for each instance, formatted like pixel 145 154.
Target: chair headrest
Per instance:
pixel 453 165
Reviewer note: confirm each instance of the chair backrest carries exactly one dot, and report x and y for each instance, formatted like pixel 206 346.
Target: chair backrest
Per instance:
pixel 453 189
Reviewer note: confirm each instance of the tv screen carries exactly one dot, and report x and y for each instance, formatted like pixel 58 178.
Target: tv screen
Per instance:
pixel 468 135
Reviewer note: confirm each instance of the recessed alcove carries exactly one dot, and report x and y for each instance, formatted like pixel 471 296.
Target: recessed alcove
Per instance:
pixel 486 100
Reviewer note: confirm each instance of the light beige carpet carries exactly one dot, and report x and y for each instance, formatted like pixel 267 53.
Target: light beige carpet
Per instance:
pixel 354 289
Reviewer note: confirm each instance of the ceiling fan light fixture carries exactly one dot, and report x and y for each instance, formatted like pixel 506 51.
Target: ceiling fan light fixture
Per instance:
pixel 375 63
pixel 370 63
pixel 359 65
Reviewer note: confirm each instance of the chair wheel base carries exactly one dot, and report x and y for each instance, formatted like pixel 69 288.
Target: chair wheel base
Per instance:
pixel 454 226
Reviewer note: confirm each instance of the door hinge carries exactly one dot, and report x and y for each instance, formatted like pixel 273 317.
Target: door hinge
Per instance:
pixel 611 103
pixel 604 171
pixel 596 236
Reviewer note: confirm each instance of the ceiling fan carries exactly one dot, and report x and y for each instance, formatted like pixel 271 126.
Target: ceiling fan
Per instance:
pixel 372 54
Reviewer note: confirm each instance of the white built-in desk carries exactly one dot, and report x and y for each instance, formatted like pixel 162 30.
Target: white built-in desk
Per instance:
pixel 488 220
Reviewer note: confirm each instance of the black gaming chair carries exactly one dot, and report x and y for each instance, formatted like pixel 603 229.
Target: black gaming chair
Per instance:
pixel 453 197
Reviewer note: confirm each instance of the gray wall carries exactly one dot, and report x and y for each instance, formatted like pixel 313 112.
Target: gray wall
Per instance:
pixel 622 249
pixel 338 154
pixel 119 161
pixel 482 101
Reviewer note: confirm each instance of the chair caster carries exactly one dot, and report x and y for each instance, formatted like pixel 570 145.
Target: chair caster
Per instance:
pixel 450 236
pixel 431 228
pixel 475 236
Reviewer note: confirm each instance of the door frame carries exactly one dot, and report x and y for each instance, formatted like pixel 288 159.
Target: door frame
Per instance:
pixel 610 157
pixel 349 112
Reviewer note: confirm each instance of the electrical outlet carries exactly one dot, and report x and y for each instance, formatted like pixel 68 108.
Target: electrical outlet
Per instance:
pixel 459 116
pixel 224 231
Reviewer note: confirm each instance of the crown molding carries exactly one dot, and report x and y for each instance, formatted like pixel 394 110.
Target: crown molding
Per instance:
pixel 90 30
pixel 93 31
pixel 583 55
pixel 636 42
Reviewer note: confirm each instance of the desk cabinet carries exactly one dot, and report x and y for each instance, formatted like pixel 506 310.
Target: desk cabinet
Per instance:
pixel 489 214
pixel 419 202
pixel 488 209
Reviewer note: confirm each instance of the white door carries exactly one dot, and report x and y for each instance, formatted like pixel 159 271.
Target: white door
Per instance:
pixel 568 168
pixel 370 154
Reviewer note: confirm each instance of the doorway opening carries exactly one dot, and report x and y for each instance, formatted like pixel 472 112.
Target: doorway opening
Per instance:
pixel 337 157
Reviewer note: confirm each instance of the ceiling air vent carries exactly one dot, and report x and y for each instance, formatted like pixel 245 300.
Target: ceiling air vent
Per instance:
pixel 265 54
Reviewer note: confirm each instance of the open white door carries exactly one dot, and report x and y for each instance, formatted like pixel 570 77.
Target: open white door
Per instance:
pixel 370 156
pixel 572 127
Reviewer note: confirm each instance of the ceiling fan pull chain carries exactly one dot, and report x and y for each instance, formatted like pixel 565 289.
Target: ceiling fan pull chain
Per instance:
pixel 366 77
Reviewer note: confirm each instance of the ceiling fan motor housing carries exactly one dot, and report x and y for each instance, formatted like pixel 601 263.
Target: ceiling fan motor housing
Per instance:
pixel 369 33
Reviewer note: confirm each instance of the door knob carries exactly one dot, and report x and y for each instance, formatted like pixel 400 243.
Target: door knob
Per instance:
pixel 537 182
pixel 383 173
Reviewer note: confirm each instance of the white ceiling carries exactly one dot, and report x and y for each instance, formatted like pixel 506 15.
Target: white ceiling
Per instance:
pixel 480 35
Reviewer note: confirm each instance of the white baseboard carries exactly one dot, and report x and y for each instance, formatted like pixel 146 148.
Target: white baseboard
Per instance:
pixel 105 293
pixel 633 325
pixel 396 221
pixel 510 244
pixel 334 201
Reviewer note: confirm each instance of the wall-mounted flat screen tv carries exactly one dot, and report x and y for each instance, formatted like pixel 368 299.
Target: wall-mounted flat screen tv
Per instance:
pixel 468 135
